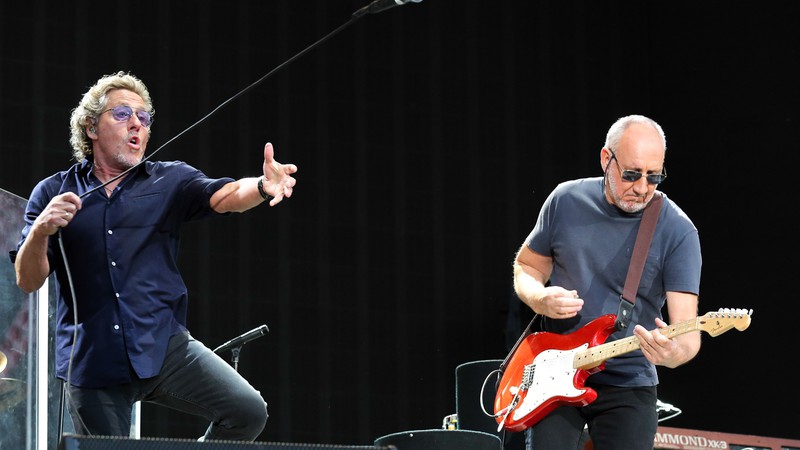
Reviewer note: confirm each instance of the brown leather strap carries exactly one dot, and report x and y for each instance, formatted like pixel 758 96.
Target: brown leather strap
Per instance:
pixel 643 239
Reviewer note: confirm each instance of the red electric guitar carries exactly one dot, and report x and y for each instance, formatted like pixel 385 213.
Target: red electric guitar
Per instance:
pixel 549 370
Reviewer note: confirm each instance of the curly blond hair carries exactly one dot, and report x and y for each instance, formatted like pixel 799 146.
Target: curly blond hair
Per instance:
pixel 94 102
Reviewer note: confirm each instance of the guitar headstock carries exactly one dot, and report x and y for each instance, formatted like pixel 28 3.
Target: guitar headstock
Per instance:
pixel 718 322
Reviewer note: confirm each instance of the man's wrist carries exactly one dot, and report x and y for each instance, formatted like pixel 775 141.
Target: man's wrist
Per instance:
pixel 261 190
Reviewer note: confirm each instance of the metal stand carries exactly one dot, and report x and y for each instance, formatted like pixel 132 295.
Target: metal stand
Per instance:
pixel 235 344
pixel 235 357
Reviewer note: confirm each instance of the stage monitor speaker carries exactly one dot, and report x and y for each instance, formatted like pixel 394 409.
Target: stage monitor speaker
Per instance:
pixel 470 405
pixel 473 379
pixel 440 440
pixel 72 442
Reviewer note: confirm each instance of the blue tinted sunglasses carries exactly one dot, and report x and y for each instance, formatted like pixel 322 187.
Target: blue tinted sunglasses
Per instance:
pixel 123 113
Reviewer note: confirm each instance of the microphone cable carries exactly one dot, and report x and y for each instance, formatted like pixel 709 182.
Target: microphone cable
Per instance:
pixel 226 102
pixel 353 18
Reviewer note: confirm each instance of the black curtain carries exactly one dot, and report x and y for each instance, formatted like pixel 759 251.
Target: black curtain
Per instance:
pixel 427 137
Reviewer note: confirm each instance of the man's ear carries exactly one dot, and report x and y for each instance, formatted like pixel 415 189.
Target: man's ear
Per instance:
pixel 91 130
pixel 605 158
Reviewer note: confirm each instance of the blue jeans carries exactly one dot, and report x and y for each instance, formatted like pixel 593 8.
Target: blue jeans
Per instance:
pixel 619 419
pixel 194 380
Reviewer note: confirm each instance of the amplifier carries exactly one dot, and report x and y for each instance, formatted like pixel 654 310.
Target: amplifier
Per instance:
pixel 682 438
pixel 441 440
pixel 73 442
pixel 688 439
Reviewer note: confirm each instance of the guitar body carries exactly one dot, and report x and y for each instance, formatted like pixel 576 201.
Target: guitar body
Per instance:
pixel 541 374
pixel 548 370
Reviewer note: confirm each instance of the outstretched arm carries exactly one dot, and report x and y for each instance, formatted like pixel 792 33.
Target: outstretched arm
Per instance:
pixel 243 194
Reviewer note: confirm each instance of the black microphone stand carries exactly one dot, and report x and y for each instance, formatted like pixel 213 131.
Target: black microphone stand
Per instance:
pixel 235 344
pixel 235 357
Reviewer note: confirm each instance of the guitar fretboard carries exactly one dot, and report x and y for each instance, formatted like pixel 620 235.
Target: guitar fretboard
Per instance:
pixel 594 356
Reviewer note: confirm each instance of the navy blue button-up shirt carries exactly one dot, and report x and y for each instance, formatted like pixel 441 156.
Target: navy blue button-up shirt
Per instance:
pixel 122 256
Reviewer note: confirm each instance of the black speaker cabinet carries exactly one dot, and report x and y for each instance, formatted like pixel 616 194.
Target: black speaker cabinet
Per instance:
pixel 476 387
pixel 72 442
pixel 470 405
pixel 441 440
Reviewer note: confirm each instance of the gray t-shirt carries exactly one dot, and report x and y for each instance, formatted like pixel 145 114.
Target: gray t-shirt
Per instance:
pixel 591 242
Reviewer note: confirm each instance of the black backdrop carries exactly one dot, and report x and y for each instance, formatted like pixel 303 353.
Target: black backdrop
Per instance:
pixel 427 137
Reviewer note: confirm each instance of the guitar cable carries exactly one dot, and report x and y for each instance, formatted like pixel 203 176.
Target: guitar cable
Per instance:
pixel 507 410
pixel 504 412
pixel 672 411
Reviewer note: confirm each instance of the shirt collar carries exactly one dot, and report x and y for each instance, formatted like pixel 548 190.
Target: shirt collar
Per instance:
pixel 85 167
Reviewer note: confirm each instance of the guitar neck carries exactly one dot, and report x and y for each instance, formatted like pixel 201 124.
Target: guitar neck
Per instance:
pixel 594 356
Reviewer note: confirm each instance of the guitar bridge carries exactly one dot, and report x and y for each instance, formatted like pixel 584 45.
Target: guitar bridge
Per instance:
pixel 525 382
pixel 527 377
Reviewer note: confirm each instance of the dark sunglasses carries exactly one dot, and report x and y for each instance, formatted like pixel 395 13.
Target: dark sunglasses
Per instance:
pixel 123 113
pixel 633 175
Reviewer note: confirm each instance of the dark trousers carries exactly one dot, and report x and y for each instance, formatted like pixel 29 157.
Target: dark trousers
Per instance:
pixel 619 419
pixel 193 379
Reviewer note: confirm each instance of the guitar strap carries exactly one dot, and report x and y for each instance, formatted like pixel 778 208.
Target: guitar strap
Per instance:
pixel 643 239
pixel 522 337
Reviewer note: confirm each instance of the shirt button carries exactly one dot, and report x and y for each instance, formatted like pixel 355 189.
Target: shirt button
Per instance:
pixel 113 263
pixel 116 294
pixel 116 327
pixel 110 232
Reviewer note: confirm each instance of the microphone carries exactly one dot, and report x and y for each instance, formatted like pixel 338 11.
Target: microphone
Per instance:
pixel 381 5
pixel 243 339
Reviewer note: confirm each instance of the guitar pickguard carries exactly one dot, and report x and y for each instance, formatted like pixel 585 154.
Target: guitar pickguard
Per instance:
pixel 553 376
